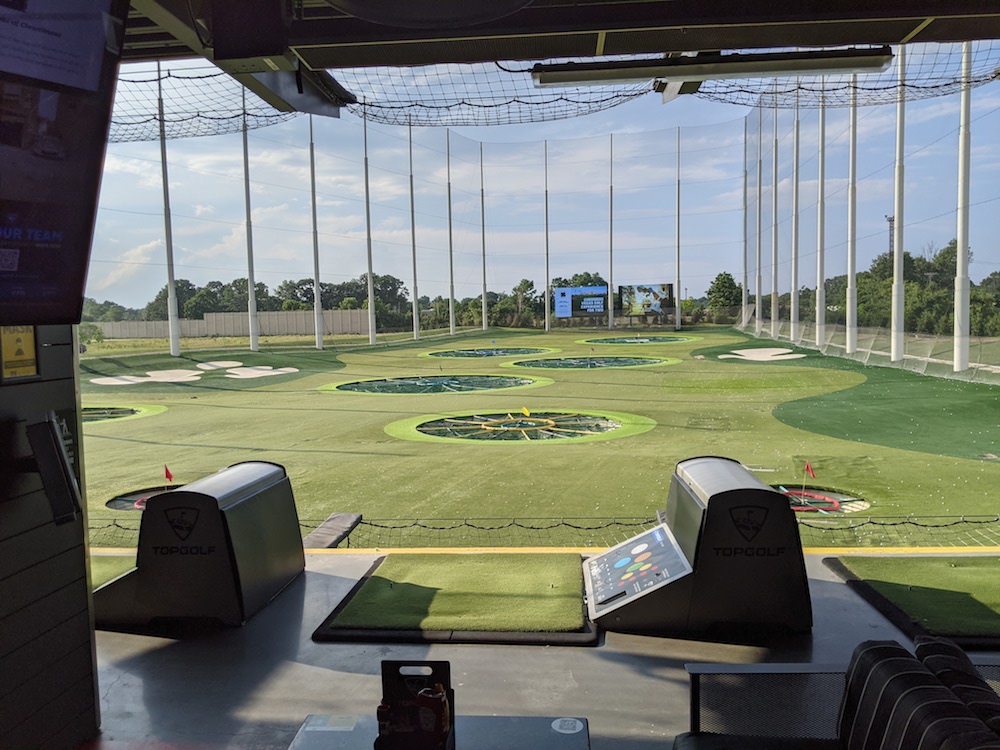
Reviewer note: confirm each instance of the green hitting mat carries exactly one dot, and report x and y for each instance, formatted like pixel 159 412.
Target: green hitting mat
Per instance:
pixel 530 598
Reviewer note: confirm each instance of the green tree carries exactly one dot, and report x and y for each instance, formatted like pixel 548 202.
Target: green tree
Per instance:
pixel 725 298
pixel 157 308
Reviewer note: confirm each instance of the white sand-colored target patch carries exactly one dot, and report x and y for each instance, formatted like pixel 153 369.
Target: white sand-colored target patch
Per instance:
pixel 762 355
pixel 152 376
pixel 261 371
pixel 218 365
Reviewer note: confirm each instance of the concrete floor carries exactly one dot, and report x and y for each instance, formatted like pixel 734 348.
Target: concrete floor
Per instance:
pixel 252 687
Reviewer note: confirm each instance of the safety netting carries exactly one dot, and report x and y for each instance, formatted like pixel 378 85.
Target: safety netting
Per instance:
pixel 199 99
pixel 816 531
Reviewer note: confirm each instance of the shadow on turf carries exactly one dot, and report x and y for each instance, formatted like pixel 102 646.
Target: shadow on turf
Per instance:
pixel 954 600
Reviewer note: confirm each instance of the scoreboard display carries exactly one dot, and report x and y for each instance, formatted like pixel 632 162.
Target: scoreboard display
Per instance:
pixel 632 568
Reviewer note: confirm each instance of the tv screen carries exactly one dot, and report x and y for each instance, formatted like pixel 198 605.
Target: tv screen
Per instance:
pixel 58 62
pixel 580 301
pixel 646 299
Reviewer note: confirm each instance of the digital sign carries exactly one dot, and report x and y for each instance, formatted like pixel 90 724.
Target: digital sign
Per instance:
pixel 58 61
pixel 580 301
pixel 646 299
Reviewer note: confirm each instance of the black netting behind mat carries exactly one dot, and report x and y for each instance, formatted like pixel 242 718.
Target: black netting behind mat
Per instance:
pixel 495 532
pixel 931 531
pixel 114 532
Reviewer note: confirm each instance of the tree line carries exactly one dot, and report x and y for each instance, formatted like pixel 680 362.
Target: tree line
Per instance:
pixel 928 280
pixel 522 307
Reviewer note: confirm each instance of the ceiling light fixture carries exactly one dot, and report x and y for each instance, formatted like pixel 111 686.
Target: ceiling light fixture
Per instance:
pixel 713 66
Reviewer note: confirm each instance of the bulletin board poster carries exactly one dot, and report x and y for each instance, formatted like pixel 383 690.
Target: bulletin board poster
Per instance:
pixel 18 353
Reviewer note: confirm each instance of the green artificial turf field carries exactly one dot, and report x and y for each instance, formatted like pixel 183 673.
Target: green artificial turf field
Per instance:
pixel 949 596
pixel 909 445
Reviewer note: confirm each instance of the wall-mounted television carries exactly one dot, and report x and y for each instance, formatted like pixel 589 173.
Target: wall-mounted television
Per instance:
pixel 58 63
pixel 580 301
pixel 646 299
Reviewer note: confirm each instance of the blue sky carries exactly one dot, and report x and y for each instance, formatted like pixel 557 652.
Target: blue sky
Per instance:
pixel 206 184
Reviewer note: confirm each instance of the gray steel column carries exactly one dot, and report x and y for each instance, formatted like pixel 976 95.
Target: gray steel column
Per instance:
pixel 794 303
pixel 173 323
pixel 611 230
pixel 758 325
pixel 898 305
pixel 451 241
pixel 821 222
pixel 774 223
pixel 482 221
pixel 413 242
pixel 962 325
pixel 851 334
pixel 251 282
pixel 368 236
pixel 317 296
pixel 548 280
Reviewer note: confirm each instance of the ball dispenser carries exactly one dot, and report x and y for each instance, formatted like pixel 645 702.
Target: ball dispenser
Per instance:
pixel 726 563
pixel 215 551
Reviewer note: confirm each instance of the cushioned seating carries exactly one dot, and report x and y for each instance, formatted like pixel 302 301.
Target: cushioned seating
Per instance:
pixel 892 700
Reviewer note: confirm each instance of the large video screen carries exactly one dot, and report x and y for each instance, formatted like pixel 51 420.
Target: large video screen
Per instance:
pixel 580 301
pixel 646 299
pixel 58 62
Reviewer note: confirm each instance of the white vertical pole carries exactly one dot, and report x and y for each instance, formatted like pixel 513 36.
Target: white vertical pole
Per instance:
pixel 774 222
pixel 898 306
pixel 368 235
pixel 413 242
pixel 821 222
pixel 758 325
pixel 677 236
pixel 173 323
pixel 451 242
pixel 317 295
pixel 794 312
pixel 482 221
pixel 962 325
pixel 611 231
pixel 548 280
pixel 746 217
pixel 251 283
pixel 851 340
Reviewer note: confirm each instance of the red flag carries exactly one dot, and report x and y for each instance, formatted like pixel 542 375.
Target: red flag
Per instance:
pixel 167 474
pixel 809 470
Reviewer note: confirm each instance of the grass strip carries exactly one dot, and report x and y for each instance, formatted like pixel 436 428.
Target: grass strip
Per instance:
pixel 488 592
pixel 105 567
pixel 949 596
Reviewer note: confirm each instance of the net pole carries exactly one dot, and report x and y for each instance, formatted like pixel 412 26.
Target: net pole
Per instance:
pixel 548 280
pixel 173 323
pixel 251 282
pixel 413 241
pixel 744 292
pixel 482 222
pixel 851 334
pixel 960 357
pixel 794 298
pixel 451 242
pixel 896 344
pixel 774 220
pixel 677 236
pixel 611 230
pixel 368 233
pixel 821 221
pixel 317 293
pixel 758 324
